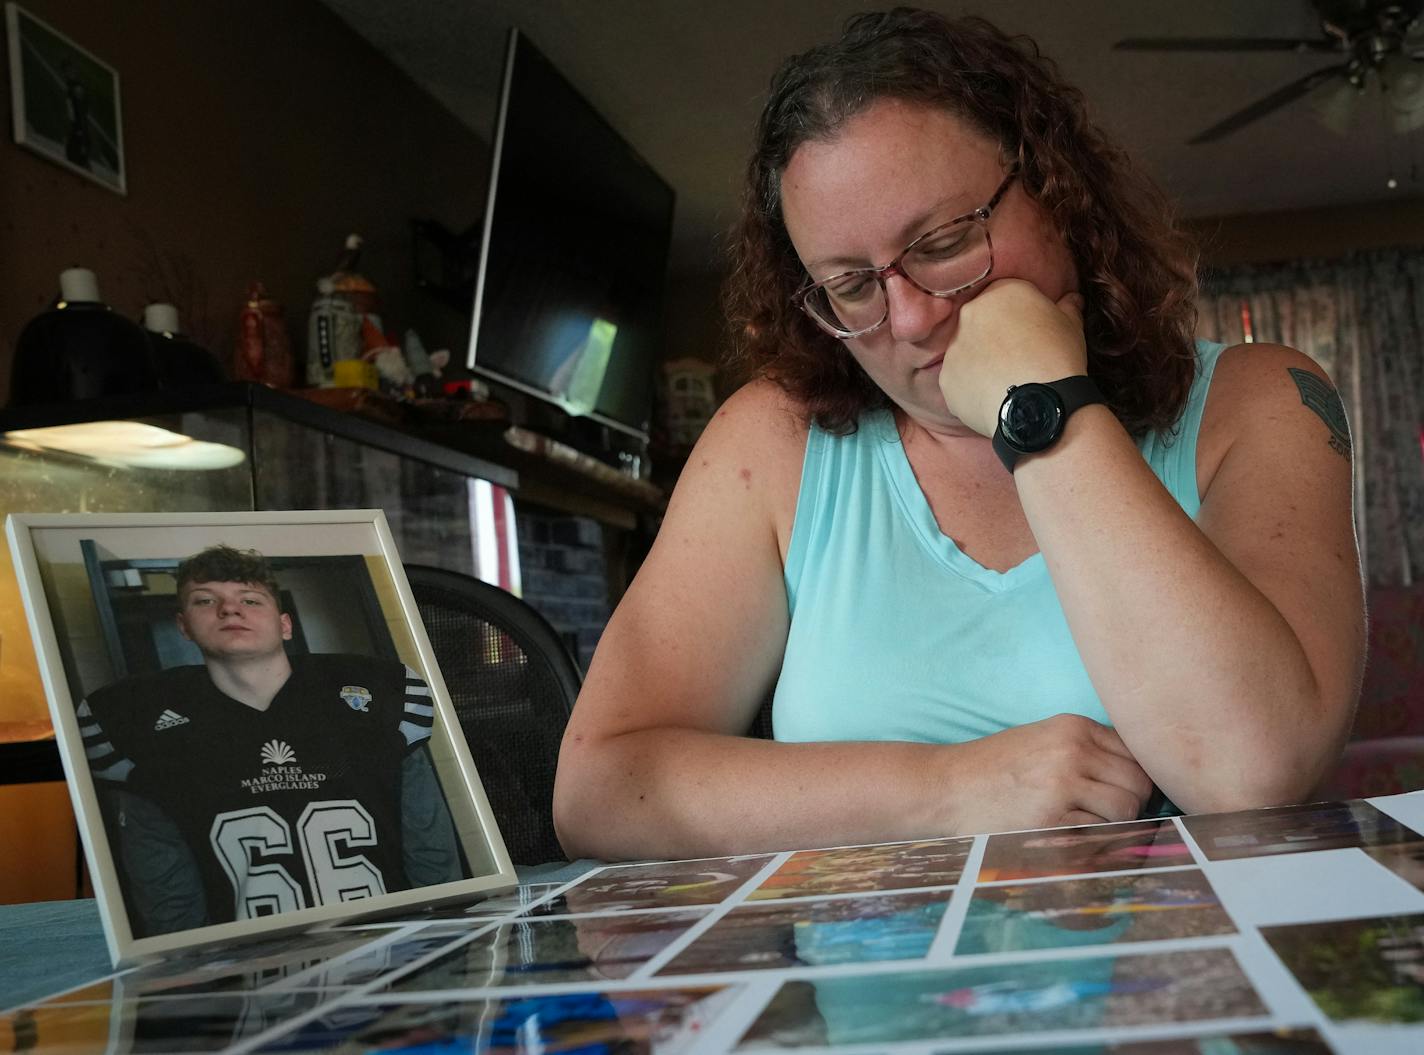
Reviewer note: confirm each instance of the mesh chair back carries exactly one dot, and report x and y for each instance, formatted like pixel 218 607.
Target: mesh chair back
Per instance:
pixel 513 685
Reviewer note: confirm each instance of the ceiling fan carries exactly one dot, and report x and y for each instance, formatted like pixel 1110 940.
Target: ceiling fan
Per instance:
pixel 1369 36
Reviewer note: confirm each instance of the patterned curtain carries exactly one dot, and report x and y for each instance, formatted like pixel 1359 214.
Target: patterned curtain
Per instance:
pixel 1362 319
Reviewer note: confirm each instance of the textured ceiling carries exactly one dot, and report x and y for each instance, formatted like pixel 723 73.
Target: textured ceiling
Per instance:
pixel 683 82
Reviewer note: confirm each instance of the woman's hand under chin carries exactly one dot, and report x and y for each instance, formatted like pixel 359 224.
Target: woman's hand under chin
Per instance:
pixel 1009 334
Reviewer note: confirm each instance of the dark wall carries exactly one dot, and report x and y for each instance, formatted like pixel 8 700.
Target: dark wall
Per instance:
pixel 1267 237
pixel 256 136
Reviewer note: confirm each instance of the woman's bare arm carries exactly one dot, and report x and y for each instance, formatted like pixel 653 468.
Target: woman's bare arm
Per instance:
pixel 1228 651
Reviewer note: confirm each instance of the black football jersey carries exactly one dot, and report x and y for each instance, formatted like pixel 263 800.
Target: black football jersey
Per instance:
pixel 288 808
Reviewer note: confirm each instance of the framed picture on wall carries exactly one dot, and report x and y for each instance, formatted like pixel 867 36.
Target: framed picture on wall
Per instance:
pixel 64 100
pixel 252 724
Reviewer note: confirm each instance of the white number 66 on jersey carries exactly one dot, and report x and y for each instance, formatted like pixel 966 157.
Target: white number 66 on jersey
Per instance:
pixel 240 836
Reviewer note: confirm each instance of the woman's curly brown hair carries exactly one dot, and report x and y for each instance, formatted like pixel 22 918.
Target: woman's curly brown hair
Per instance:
pixel 1137 271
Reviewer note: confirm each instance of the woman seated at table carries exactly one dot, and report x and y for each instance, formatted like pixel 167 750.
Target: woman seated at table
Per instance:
pixel 1011 548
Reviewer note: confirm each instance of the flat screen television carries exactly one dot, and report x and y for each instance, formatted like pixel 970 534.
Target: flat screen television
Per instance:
pixel 573 256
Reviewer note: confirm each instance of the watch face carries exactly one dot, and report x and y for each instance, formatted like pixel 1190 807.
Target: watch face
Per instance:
pixel 1031 417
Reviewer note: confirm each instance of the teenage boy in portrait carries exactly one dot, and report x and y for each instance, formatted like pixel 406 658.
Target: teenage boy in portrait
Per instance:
pixel 258 782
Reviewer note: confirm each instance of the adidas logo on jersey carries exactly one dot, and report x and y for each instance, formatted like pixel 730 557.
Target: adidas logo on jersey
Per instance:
pixel 277 753
pixel 168 719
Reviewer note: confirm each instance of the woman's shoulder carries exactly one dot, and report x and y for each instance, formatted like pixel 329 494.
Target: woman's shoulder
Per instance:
pixel 1249 377
pixel 1252 385
pixel 763 401
pixel 761 418
pixel 751 451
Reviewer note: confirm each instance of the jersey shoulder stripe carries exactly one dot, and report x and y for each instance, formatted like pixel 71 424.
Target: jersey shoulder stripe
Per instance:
pixel 105 763
pixel 418 717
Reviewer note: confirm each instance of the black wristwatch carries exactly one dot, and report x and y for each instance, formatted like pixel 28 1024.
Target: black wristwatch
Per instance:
pixel 1032 416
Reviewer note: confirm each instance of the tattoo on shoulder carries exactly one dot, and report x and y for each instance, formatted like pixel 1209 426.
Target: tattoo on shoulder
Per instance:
pixel 1325 401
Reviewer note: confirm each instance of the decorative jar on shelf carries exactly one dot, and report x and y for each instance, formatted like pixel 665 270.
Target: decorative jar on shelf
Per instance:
pixel 264 350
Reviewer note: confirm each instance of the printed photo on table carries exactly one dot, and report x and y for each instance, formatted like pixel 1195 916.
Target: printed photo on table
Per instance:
pixel 553 952
pixel 205 1023
pixel 253 725
pixel 1303 1041
pixel 1125 847
pixel 1031 996
pixel 1296 829
pixel 1100 910
pixel 1405 860
pixel 1358 970
pixel 637 1022
pixel 816 933
pixel 664 884
pixel 855 869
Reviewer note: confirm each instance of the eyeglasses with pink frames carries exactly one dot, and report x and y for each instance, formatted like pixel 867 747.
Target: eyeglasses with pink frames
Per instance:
pixel 942 262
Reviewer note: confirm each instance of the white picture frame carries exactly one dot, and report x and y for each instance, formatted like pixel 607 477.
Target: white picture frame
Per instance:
pixel 64 101
pixel 76 571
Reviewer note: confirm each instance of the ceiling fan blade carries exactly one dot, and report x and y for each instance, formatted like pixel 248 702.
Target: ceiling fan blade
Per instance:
pixel 1224 44
pixel 1261 107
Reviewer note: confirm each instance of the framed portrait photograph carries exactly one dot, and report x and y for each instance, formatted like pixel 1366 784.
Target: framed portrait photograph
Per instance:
pixel 64 101
pixel 253 727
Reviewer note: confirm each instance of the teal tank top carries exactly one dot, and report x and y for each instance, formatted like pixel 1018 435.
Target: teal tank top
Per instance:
pixel 897 635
